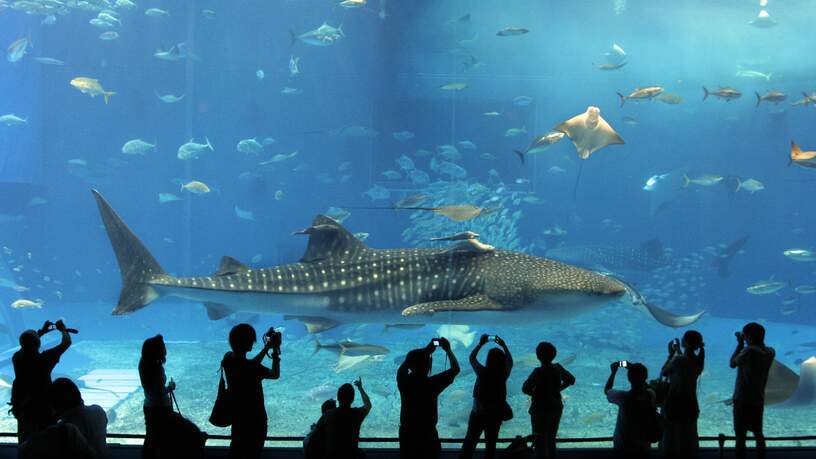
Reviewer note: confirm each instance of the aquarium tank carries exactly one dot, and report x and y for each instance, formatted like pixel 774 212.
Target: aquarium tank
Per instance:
pixel 384 172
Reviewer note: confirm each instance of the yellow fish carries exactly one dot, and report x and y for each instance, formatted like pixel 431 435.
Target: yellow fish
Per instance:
pixel 196 187
pixel 92 87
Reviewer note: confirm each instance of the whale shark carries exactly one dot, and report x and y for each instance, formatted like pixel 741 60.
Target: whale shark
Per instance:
pixel 648 256
pixel 342 279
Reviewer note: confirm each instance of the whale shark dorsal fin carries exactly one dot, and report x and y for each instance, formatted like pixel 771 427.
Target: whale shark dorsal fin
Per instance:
pixel 328 239
pixel 477 302
pixel 229 266
pixel 216 311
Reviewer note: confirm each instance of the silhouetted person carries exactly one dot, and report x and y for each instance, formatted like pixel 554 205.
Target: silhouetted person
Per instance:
pixel 157 404
pixel 30 401
pixel 90 420
pixel 342 424
pixel 419 397
pixel 753 364
pixel 490 406
pixel 680 409
pixel 314 444
pixel 634 406
pixel 544 385
pixel 244 385
pixel 59 441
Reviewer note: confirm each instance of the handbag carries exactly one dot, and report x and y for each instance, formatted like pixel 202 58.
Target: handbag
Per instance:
pixel 221 415
pixel 507 412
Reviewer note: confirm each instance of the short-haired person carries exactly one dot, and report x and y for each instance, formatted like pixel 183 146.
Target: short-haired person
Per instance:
pixel 342 424
pixel 753 360
pixel 684 365
pixel 630 438
pixel 91 420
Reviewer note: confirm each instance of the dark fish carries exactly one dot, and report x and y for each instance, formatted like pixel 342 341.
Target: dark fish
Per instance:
pixel 723 260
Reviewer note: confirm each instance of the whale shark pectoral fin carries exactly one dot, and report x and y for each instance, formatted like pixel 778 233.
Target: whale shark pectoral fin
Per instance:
pixel 672 320
pixel 230 266
pixel 216 311
pixel 472 303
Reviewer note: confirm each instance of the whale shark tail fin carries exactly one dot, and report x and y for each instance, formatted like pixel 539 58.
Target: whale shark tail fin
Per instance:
pixel 663 316
pixel 136 265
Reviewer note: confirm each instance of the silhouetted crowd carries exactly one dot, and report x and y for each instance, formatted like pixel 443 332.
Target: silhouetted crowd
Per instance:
pixel 54 422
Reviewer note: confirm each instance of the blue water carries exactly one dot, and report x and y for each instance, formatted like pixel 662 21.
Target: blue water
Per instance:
pixel 385 74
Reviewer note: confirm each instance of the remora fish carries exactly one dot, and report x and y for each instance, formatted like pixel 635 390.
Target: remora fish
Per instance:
pixel 342 279
pixel 650 255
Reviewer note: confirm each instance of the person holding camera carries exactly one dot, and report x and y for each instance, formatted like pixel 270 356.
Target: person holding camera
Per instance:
pixel 244 381
pixel 419 397
pixel 30 396
pixel 490 407
pixel 753 363
pixel 680 409
pixel 342 424
pixel 544 385
pixel 636 408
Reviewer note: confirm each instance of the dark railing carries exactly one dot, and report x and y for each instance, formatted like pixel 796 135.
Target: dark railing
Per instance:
pixel 720 439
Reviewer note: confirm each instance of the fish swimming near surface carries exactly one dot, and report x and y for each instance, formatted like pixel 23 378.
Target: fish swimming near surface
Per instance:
pixel 609 66
pixel 648 256
pixel 723 259
pixel 91 87
pixel 340 278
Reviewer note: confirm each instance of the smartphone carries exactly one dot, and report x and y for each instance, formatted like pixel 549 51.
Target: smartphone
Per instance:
pixel 491 338
pixel 623 363
pixel 435 342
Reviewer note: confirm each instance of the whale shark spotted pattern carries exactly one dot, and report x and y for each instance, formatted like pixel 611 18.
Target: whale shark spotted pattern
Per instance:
pixel 342 279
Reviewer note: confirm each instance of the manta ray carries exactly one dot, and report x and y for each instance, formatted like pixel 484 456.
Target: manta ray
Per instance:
pixel 589 132
pixel 341 279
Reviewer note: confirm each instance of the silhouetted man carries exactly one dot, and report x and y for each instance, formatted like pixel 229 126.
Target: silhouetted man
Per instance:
pixel 753 364
pixel 630 439
pixel 342 424
pixel 30 400
pixel 419 396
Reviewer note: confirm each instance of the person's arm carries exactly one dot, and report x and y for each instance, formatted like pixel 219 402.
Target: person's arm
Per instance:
pixel 611 380
pixel 701 360
pixel 738 355
pixel 445 345
pixel 508 358
pixel 274 372
pixel 567 378
pixel 402 371
pixel 65 342
pixel 530 383
pixel 474 362
pixel 363 395
pixel 260 355
pixel 667 365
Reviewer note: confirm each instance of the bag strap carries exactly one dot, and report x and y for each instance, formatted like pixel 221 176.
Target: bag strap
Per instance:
pixel 174 401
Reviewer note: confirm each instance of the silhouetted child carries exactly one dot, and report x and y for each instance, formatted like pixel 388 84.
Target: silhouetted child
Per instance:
pixel 58 441
pixel 30 400
pixel 342 424
pixel 490 406
pixel 680 409
pixel 314 444
pixel 157 405
pixel 419 397
pixel 90 420
pixel 753 364
pixel 244 382
pixel 544 385
pixel 635 406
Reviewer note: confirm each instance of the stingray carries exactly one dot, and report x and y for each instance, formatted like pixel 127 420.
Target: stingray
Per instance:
pixel 589 132
pixel 457 213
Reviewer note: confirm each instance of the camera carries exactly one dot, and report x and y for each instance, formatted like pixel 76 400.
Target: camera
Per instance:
pixel 273 338
pixel 739 335
pixel 623 363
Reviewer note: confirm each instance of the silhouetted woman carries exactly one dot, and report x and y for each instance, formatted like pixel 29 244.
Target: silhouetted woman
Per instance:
pixel 244 385
pixel 544 385
pixel 157 405
pixel 490 406
pixel 681 410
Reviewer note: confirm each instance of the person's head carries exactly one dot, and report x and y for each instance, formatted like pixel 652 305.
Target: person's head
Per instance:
pixel 419 362
pixel 65 395
pixel 241 338
pixel 329 404
pixel 345 395
pixel 545 352
pixel 154 350
pixel 637 374
pixel 495 361
pixel 692 340
pixel 754 333
pixel 30 341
